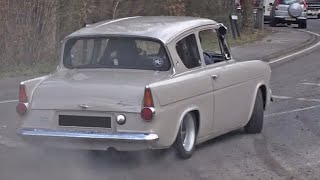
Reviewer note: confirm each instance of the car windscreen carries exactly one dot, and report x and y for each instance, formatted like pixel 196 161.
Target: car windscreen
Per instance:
pixel 288 2
pixel 116 53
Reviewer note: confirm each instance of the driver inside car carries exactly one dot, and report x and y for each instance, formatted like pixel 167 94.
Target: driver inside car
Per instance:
pixel 207 58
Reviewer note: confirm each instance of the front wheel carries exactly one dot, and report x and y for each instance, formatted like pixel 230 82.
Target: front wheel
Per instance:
pixel 186 138
pixel 255 125
pixel 273 22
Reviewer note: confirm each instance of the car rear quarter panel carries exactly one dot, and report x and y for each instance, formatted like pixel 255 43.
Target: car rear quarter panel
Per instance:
pixel 179 95
pixel 32 84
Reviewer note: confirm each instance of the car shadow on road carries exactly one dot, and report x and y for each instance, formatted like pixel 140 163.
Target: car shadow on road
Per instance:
pixel 130 160
pixel 283 25
pixel 134 159
pixel 231 135
pixel 100 163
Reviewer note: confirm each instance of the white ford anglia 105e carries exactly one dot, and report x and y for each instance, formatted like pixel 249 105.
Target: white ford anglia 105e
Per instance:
pixel 144 83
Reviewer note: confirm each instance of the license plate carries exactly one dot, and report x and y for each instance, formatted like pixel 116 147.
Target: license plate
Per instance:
pixel 84 121
pixel 290 19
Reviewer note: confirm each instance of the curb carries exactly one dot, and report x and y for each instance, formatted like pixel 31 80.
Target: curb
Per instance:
pixel 308 43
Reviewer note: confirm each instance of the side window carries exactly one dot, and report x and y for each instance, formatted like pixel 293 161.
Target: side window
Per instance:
pixel 209 41
pixel 188 51
pixel 211 46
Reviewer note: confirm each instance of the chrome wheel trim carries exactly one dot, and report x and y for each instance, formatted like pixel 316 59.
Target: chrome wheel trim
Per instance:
pixel 188 133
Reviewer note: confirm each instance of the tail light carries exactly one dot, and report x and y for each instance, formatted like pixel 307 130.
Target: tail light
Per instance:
pixel 148 110
pixel 276 4
pixel 22 107
pixel 147 99
pixel 305 5
pixel 23 94
pixel 147 113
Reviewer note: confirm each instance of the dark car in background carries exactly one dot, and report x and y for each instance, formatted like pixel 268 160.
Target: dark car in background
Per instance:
pixel 313 8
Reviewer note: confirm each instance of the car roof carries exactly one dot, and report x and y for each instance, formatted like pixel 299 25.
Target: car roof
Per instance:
pixel 163 28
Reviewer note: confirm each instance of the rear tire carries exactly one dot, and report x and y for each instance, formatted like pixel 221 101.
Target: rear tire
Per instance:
pixel 255 125
pixel 302 24
pixel 186 138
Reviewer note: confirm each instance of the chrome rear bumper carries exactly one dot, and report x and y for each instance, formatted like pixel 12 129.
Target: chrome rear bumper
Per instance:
pixel 119 137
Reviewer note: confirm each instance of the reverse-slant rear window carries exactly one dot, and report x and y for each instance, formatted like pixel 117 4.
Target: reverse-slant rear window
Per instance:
pixel 117 53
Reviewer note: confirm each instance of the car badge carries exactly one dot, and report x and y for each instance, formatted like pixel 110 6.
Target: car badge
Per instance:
pixel 158 62
pixel 44 117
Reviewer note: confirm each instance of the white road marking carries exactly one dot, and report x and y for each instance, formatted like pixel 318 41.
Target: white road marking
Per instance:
pixel 11 143
pixel 298 99
pixel 311 100
pixel 8 101
pixel 310 84
pixel 281 97
pixel 292 111
pixel 299 52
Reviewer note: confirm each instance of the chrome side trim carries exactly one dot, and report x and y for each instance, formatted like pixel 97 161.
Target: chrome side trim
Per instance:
pixel 134 137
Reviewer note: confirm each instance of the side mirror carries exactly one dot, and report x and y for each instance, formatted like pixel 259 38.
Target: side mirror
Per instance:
pixel 270 4
pixel 227 56
pixel 223 30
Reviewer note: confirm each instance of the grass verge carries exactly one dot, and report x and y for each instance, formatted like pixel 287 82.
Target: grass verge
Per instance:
pixel 249 37
pixel 28 70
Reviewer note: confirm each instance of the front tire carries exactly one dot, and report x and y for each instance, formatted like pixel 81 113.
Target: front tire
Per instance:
pixel 186 138
pixel 255 125
pixel 273 22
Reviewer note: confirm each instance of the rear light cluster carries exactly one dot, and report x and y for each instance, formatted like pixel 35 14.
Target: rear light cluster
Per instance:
pixel 276 4
pixel 148 109
pixel 22 106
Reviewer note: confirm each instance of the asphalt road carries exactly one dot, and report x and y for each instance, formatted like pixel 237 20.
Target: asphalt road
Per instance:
pixel 288 148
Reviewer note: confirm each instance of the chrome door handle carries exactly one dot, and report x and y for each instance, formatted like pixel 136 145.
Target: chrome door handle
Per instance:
pixel 214 77
pixel 84 106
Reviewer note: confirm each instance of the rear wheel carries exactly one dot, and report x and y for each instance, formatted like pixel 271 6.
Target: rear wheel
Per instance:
pixel 302 24
pixel 255 125
pixel 186 138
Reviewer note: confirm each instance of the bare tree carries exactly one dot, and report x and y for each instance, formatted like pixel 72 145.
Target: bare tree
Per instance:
pixel 247 15
pixel 29 31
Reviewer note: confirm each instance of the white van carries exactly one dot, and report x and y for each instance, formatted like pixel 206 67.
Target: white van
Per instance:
pixel 267 4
